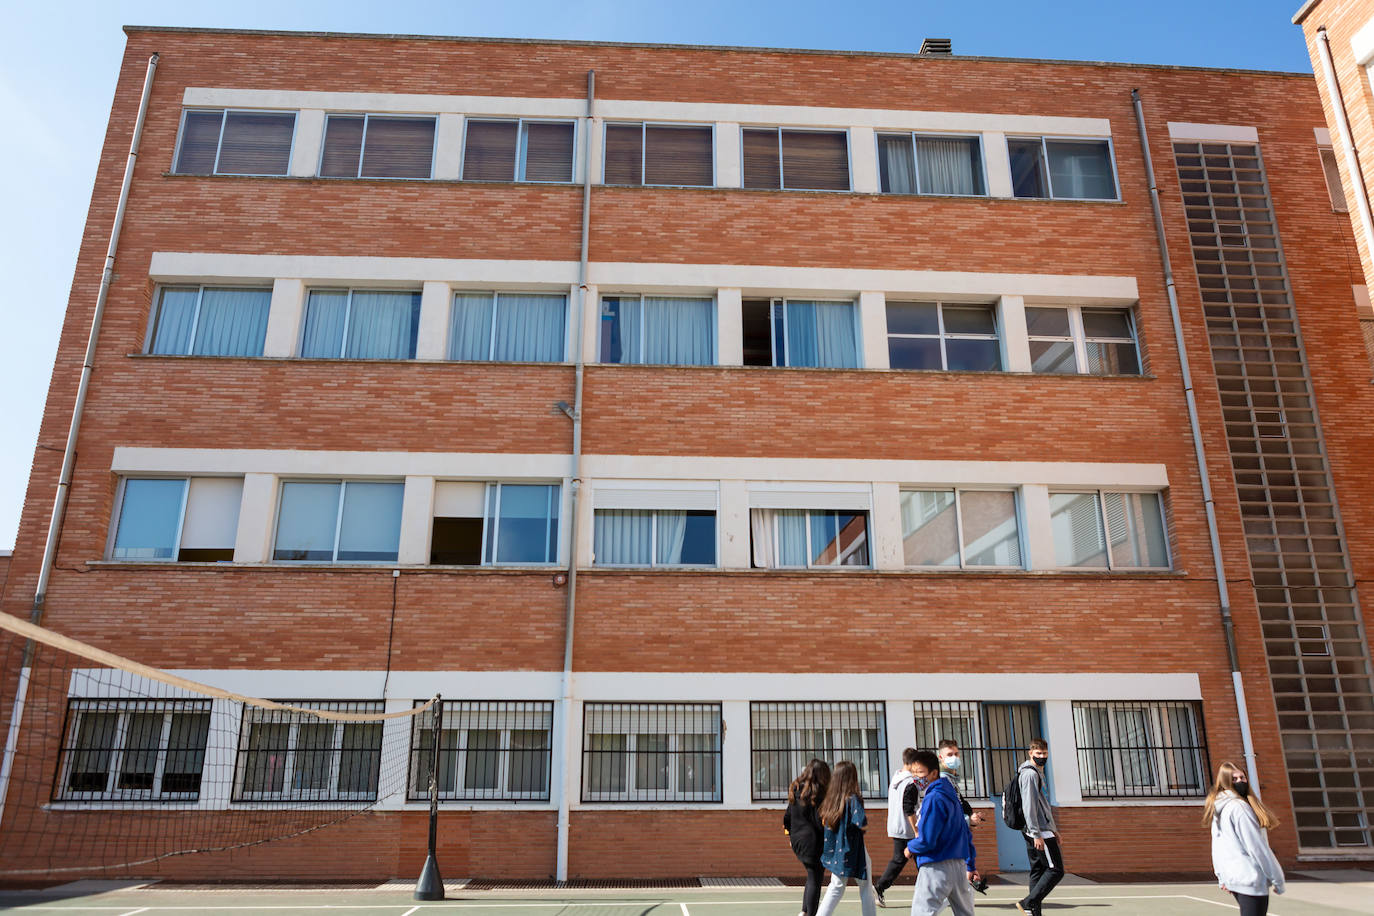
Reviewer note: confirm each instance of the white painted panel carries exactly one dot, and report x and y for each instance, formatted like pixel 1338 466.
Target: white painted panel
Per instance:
pixel 305 147
pixel 448 146
pixel 1059 733
pixel 619 497
pixel 863 160
pixel 1362 303
pixel 284 318
pixel 416 514
pixel 435 301
pixel 802 497
pixel 1362 44
pixel 873 329
pixel 459 499
pixel 729 327
pixel 998 161
pixel 1011 317
pixel 1219 133
pixel 212 512
pixel 1039 533
pixel 729 155
pixel 733 523
pixel 1322 135
pixel 257 511
pixel 886 539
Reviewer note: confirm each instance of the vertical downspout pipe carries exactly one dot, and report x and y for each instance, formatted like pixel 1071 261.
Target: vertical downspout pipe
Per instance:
pixel 1223 593
pixel 575 487
pixel 64 478
pixel 1352 157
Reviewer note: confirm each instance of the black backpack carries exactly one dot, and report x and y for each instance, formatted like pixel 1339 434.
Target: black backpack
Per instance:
pixel 1013 811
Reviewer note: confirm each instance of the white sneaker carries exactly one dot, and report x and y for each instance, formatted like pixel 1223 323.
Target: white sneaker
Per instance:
pixel 881 902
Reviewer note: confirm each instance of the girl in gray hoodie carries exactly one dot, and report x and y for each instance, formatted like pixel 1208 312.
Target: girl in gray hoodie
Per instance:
pixel 1241 857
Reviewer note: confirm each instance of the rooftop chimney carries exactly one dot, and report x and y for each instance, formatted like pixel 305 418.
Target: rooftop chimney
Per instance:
pixel 941 46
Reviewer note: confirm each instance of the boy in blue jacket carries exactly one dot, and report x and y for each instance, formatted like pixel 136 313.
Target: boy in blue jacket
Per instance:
pixel 943 848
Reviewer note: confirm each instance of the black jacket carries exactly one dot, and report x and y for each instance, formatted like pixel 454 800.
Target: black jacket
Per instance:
pixel 803 827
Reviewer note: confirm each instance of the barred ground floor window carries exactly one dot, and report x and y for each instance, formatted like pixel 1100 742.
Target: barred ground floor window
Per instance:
pixel 1140 749
pixel 785 736
pixel 993 739
pixel 133 750
pixel 662 752
pixel 287 755
pixel 489 750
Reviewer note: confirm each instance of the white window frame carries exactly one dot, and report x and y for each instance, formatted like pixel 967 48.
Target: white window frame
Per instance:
pixel 418 787
pixel 914 135
pixel 644 151
pixel 782 172
pixel 1155 750
pixel 200 289
pixel 118 517
pixel 671 795
pixel 1049 174
pixel 773 303
pixel 125 709
pixel 348 316
pixel 867 540
pixel 1078 337
pixel 1100 495
pixel 293 750
pixel 942 335
pixel 219 144
pixel 653 542
pixel 521 146
pixel 491 515
pixel 1018 514
pixel 367 117
pixel 338 519
pixel 798 755
pixel 601 357
pixel 496 304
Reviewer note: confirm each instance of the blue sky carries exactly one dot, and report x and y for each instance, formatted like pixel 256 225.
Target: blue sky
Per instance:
pixel 58 72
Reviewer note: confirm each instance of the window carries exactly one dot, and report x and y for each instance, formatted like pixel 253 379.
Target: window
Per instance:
pixel 1333 178
pixel 992 739
pixel 1082 341
pixel 177 519
pixel 289 755
pixel 1063 169
pixel 133 750
pixel 961 528
pixel 489 750
pixel 360 324
pixel 1133 749
pixel 654 537
pixel 508 327
pixel 796 159
pixel 518 151
pixel 1134 536
pixel 235 142
pixel 494 524
pixel 785 736
pixel 377 146
pixel 933 335
pixel 210 321
pixel 350 521
pixel 672 155
pixel 663 752
pixel 809 537
pixel 916 164
pixel 658 330
pixel 799 333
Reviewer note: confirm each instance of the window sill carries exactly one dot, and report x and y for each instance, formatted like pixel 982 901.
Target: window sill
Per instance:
pixel 542 570
pixel 381 179
pixel 334 361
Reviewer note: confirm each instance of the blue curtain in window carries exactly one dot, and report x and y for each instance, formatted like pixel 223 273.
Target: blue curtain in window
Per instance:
pixel 821 334
pixel 529 328
pixel 383 325
pixel 233 322
pixel 326 312
pixel 792 537
pixel 469 326
pixel 630 326
pixel 623 537
pixel 672 534
pixel 176 315
pixel 678 332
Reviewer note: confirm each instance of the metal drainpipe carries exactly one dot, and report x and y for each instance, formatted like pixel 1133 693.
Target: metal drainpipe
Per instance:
pixel 1352 157
pixel 570 616
pixel 64 479
pixel 1223 593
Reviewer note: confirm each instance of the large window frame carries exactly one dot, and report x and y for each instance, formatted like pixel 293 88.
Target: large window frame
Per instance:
pixel 644 128
pixel 623 299
pixel 159 297
pixel 1078 337
pixel 827 730
pixel 495 321
pixel 654 523
pixel 342 484
pixel 780 344
pixel 782 159
pixel 522 148
pixel 287 762
pixel 112 755
pixel 913 136
pixel 636 763
pixel 348 322
pixel 489 548
pixel 1139 749
pixel 219 144
pixel 862 541
pixel 1105 531
pixel 368 117
pixel 944 336
pixel 463 762
pixel 177 546
pixel 1047 173
pixel 1018 515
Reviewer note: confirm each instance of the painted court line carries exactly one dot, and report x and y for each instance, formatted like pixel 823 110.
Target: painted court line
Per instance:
pixel 1229 906
pixel 409 911
pixel 685 911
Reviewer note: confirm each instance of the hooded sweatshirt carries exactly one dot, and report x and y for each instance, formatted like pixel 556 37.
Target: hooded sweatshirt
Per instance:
pixel 898 827
pixel 1240 850
pixel 1035 799
pixel 942 833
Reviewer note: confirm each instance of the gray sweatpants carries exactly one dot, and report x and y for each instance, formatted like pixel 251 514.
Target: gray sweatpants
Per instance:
pixel 941 883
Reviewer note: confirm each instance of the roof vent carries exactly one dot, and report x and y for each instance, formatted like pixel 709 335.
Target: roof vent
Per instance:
pixel 937 46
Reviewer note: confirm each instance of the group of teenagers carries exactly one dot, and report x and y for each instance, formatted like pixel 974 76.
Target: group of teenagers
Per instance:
pixel 930 821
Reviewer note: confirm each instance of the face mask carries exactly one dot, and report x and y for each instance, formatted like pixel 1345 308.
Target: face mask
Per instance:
pixel 952 764
pixel 1242 789
pixel 1040 761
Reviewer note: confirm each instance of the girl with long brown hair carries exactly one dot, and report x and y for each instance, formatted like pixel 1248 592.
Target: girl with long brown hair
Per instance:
pixel 803 827
pixel 842 815
pixel 1241 857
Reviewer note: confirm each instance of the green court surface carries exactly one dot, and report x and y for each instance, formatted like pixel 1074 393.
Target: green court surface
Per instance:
pixel 1333 896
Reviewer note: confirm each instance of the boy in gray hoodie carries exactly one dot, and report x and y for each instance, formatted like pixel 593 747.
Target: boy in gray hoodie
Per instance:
pixel 1042 839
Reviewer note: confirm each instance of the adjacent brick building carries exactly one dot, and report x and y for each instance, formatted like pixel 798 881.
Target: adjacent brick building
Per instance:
pixel 883 438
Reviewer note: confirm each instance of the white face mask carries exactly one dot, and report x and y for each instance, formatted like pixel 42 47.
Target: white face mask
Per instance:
pixel 952 764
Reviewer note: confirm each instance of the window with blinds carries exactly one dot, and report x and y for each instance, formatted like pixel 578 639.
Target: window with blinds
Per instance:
pixel 518 150
pixel 671 155
pixel 229 142
pixel 377 146
pixel 813 160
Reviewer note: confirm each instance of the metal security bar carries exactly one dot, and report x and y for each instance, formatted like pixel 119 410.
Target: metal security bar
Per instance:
pixel 132 750
pixel 489 750
pixel 292 756
pixel 785 736
pixel 961 722
pixel 1140 749
pixel 1318 656
pixel 662 752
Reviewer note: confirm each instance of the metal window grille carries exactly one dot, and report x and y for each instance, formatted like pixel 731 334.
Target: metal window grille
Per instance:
pixel 489 750
pixel 1140 749
pixel 132 750
pixel 1298 558
pixel 291 756
pixel 992 738
pixel 785 736
pixel 661 752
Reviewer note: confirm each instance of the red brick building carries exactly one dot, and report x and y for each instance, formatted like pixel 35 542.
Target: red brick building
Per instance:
pixel 845 388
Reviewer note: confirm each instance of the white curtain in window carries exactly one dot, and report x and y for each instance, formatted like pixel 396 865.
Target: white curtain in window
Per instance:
pixel 326 313
pixel 623 536
pixel 761 527
pixel 469 326
pixel 897 164
pixel 677 332
pixel 792 525
pixel 946 166
pixel 631 322
pixel 672 533
pixel 529 328
pixel 176 315
pixel 382 325
pixel 233 322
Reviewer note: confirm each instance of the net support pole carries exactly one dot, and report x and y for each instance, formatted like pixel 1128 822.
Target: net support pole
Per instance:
pixel 431 886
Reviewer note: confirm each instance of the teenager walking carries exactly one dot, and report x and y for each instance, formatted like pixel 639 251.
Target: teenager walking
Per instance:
pixel 943 847
pixel 1241 856
pixel 1042 836
pixel 802 824
pixel 842 814
pixel 902 796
